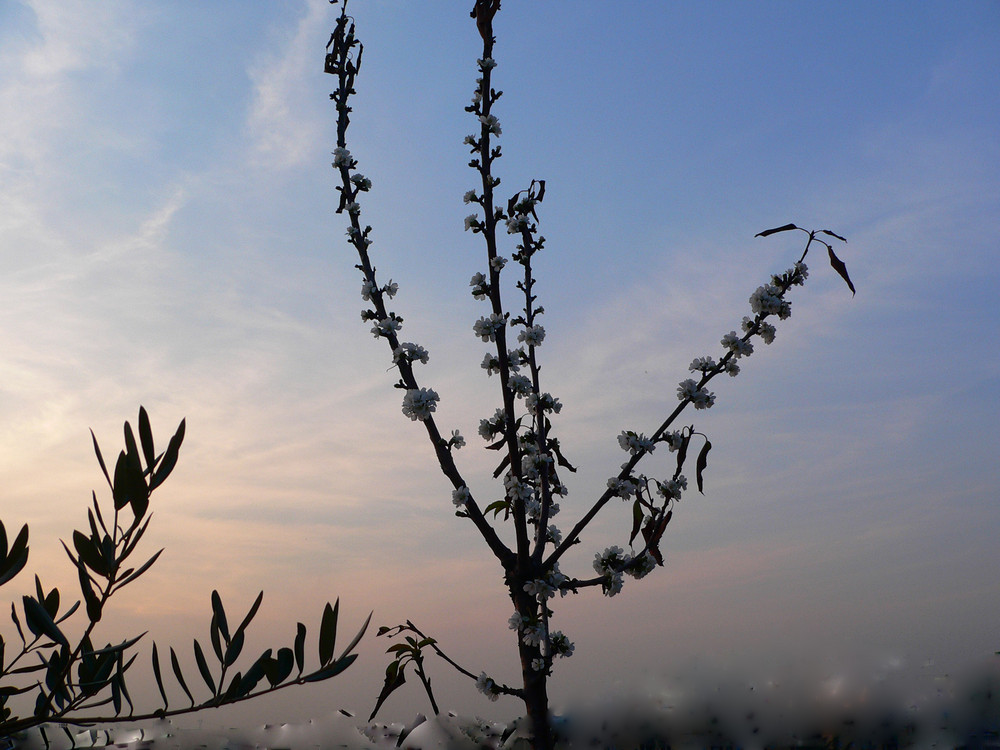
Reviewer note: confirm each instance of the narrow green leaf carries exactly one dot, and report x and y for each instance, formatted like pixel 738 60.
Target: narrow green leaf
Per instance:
pixel 234 648
pixel 394 678
pixel 68 613
pixel 146 438
pixel 768 232
pixel 220 615
pixel 130 485
pixel 94 606
pixel 116 696
pixel 357 638
pixel 300 647
pixel 145 566
pixel 256 673
pixel 132 540
pixel 682 452
pixel 496 506
pixel 636 520
pixel 328 633
pixel 206 675
pixel 130 446
pixel 251 613
pixel 702 464
pixel 93 524
pixel 216 639
pixel 97 510
pixel 17 622
pixel 120 679
pixel 839 267
pixel 175 665
pixel 159 677
pixel 279 668
pixel 100 459
pixel 833 234
pixel 40 622
pixel 169 459
pixel 89 553
pixel 16 557
pixel 333 670
pixel 233 691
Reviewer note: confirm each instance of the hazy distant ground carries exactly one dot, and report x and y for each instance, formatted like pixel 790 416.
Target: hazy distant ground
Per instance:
pixel 887 710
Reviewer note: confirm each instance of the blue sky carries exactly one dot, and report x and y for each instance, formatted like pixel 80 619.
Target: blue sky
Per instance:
pixel 169 239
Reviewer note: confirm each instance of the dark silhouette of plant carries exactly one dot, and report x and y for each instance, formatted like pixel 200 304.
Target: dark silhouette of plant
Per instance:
pixel 520 430
pixel 72 680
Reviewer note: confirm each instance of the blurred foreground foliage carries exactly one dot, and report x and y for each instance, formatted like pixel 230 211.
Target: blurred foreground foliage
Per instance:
pixel 74 681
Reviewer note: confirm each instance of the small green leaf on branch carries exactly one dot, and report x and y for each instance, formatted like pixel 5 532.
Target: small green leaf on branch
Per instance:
pixel 839 267
pixel 702 464
pixel 768 232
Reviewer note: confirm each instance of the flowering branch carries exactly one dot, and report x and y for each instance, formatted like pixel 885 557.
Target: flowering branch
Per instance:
pixel 418 403
pixel 530 455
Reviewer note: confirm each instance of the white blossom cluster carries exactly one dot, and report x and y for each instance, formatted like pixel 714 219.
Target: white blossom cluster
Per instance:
pixel 486 686
pixel 486 328
pixel 534 463
pixel 609 564
pixel 546 402
pixel 642 566
pixel 515 488
pixel 489 428
pixel 342 158
pixel 491 123
pixel 737 345
pixel 387 326
pixel 519 384
pixel 623 488
pixel 765 330
pixel 560 645
pixel 418 403
pixel 672 488
pixel 461 496
pixel 480 287
pixel 407 352
pixel 517 224
pixel 635 442
pixel 532 335
pixel 690 390
pixel 358 237
pixel 540 589
pixel 360 182
pixel 491 363
pixel 674 440
pixel 613 560
pixel 702 364
pixel 368 288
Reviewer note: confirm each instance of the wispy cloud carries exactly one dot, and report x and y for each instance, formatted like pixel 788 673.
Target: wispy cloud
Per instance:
pixel 282 136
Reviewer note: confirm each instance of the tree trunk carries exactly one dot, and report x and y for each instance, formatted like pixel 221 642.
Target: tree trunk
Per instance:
pixel 536 699
pixel 536 704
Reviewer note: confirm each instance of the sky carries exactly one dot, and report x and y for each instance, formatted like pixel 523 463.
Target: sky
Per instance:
pixel 169 239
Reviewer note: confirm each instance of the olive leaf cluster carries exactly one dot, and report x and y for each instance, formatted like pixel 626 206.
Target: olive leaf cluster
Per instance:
pixel 73 680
